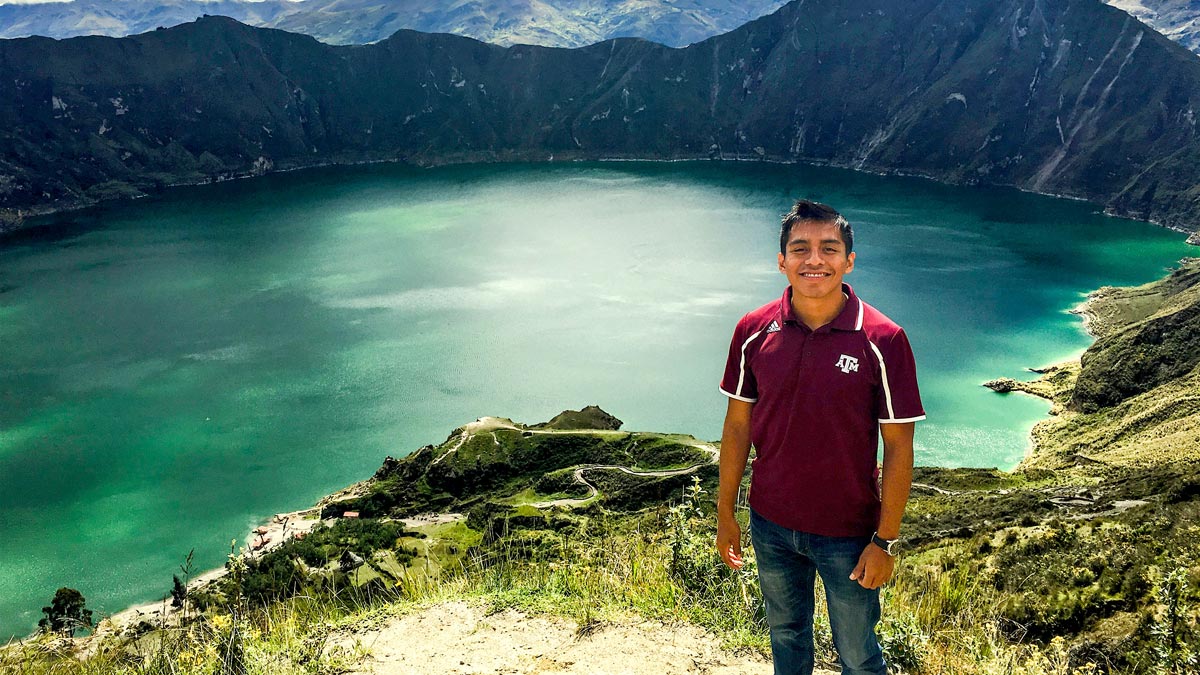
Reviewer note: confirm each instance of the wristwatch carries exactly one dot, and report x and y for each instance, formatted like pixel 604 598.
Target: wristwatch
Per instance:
pixel 889 546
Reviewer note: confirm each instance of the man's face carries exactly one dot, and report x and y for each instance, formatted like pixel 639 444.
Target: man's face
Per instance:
pixel 815 260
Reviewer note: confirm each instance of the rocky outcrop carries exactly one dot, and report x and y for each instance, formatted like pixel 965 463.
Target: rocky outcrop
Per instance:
pixel 590 417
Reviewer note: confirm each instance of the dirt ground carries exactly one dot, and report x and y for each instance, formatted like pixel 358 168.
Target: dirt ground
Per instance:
pixel 459 638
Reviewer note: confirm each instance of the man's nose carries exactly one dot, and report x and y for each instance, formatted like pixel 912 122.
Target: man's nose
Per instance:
pixel 814 257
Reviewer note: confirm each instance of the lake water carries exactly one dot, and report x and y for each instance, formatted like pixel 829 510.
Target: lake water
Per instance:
pixel 175 370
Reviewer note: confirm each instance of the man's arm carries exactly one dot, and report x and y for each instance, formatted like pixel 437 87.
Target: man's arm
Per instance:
pixel 735 451
pixel 875 566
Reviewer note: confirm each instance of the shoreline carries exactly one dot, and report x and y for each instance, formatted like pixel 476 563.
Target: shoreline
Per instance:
pixel 1105 311
pixel 1043 386
pixel 12 219
pixel 280 528
pixel 1086 311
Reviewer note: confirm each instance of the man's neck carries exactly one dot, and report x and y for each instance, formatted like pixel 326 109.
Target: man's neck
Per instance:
pixel 816 312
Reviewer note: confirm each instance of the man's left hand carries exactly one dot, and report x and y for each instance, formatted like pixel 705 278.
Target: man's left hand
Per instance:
pixel 874 567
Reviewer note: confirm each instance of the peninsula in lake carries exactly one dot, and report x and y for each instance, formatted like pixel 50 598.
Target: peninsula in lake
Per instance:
pixel 1069 98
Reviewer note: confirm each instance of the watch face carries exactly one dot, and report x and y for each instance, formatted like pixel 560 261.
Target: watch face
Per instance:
pixel 890 546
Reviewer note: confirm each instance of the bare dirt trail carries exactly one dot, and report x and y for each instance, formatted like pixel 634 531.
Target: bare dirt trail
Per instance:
pixel 458 638
pixel 592 491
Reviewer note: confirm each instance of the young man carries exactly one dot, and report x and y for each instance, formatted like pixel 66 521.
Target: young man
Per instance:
pixel 813 380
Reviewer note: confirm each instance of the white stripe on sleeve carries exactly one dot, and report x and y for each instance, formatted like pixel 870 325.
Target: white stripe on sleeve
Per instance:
pixel 887 389
pixel 739 398
pixel 742 366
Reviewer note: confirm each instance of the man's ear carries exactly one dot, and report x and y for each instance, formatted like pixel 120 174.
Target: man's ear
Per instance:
pixel 781 270
pixel 850 267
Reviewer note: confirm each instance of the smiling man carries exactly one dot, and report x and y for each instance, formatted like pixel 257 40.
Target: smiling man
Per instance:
pixel 814 380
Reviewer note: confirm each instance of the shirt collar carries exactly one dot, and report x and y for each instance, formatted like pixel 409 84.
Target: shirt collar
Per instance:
pixel 849 319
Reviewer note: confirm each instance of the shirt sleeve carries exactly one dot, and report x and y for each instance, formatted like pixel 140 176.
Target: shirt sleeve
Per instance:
pixel 899 399
pixel 738 382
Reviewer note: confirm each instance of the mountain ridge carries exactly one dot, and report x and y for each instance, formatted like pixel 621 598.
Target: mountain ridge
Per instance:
pixel 1091 104
pixel 558 23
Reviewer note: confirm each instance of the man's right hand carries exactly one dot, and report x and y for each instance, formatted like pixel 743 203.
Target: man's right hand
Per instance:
pixel 729 542
pixel 735 451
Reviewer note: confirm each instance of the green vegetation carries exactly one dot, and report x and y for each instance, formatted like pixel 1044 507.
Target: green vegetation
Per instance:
pixel 1082 562
pixel 590 417
pixel 1068 589
pixel 352 553
pixel 494 459
pixel 67 613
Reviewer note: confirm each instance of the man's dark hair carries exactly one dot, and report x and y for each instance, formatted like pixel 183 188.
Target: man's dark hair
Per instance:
pixel 805 211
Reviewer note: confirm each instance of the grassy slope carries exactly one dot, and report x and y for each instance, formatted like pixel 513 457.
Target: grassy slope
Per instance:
pixel 1082 549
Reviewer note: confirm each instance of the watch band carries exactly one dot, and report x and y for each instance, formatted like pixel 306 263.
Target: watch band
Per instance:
pixel 889 546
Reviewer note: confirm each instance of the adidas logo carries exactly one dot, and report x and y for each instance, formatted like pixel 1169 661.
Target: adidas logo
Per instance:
pixel 774 327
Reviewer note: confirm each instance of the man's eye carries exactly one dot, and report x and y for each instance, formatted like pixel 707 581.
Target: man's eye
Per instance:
pixel 830 249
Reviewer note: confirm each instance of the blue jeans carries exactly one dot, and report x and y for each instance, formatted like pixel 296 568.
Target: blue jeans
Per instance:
pixel 788 562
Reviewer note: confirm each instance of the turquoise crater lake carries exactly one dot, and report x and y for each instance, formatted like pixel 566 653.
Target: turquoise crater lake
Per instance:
pixel 175 370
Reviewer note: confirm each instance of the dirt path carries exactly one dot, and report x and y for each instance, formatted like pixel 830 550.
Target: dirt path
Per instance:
pixel 458 638
pixel 592 491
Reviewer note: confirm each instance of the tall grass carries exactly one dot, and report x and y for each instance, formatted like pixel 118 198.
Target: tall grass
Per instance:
pixel 942 616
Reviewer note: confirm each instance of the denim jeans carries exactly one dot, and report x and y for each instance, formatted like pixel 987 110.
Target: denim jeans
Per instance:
pixel 788 562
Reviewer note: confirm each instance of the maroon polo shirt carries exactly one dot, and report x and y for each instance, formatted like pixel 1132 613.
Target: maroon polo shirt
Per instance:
pixel 819 397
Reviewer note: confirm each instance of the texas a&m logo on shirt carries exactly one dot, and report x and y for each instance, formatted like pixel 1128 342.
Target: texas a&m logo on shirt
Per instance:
pixel 847 364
